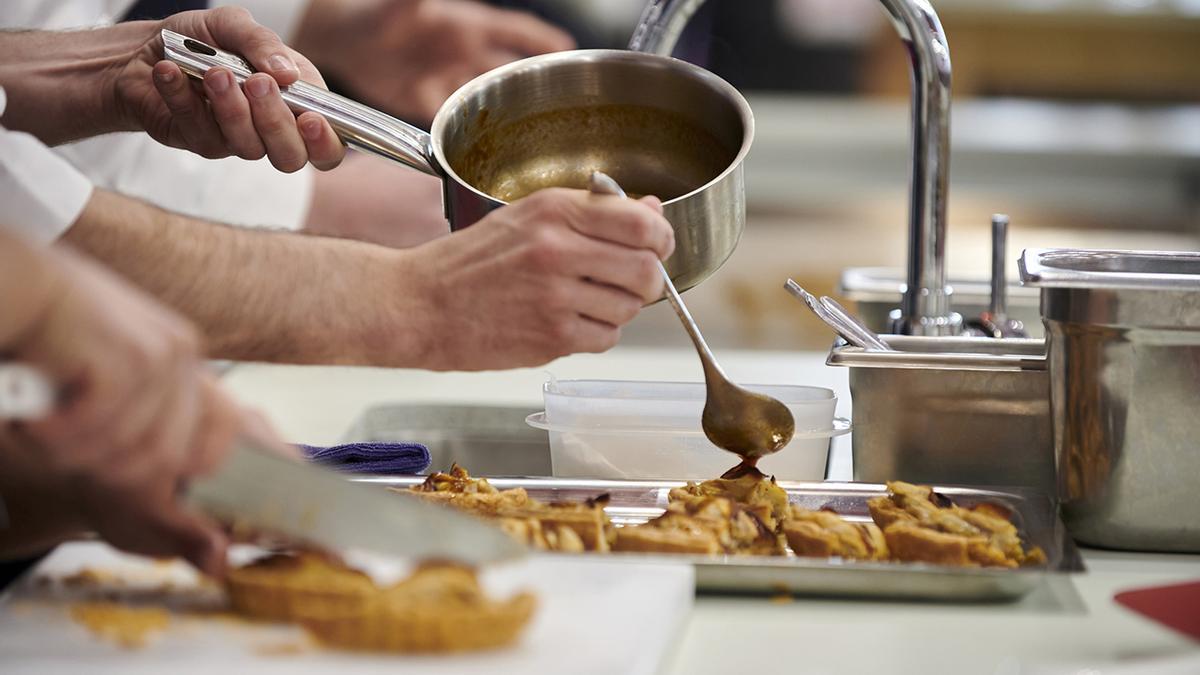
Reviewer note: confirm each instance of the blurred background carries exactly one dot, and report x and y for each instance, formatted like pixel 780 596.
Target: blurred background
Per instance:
pixel 1078 118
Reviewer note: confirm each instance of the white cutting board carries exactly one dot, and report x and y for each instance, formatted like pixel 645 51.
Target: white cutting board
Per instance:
pixel 593 617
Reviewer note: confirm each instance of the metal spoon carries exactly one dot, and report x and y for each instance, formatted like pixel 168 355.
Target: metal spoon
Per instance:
pixel 839 319
pixel 743 422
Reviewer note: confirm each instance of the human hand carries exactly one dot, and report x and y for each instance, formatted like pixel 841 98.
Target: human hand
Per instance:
pixel 555 273
pixel 408 56
pixel 217 118
pixel 138 414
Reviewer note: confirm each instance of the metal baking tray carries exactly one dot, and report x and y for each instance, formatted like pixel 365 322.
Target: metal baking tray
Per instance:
pixel 634 502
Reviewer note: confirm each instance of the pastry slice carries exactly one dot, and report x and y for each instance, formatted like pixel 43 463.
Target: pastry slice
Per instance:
pixel 922 525
pixel 438 609
pixel 476 495
pixel 648 538
pixel 286 586
pixel 700 524
pixel 825 534
pixel 531 532
pixel 751 488
pixel 588 520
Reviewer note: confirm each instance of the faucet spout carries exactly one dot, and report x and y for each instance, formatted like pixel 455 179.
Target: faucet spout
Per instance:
pixel 925 309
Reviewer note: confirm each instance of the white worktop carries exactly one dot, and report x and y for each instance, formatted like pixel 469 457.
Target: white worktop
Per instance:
pixel 1067 626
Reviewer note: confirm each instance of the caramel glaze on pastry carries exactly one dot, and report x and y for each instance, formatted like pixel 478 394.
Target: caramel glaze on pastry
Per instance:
pixel 921 525
pixel 440 608
pixel 705 524
pixel 750 487
pixel 825 534
pixel 459 489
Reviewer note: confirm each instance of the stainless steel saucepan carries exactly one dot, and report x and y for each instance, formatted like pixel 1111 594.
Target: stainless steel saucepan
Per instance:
pixel 655 124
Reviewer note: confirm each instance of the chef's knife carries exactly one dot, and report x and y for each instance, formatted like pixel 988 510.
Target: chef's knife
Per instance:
pixel 259 489
pixel 267 492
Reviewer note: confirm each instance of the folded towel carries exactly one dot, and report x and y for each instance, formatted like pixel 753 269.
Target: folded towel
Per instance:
pixel 379 458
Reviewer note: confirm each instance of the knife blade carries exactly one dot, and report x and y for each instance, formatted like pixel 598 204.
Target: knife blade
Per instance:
pixel 267 492
pixel 262 490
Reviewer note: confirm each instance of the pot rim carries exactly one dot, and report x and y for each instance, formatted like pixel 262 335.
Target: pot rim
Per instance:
pixel 454 103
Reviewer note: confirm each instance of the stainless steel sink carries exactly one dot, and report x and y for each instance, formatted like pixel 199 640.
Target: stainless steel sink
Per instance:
pixel 486 440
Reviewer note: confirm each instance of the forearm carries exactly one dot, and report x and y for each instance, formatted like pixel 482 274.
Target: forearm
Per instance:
pixel 261 295
pixel 28 280
pixel 61 86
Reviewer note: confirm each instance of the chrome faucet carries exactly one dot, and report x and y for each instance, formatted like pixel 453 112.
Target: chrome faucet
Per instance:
pixel 925 309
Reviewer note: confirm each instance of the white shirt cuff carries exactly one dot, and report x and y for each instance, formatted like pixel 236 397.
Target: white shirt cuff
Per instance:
pixel 281 16
pixel 229 190
pixel 41 194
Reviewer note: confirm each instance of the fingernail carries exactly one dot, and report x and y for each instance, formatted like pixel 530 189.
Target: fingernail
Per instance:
pixel 280 62
pixel 220 82
pixel 311 128
pixel 258 87
pixel 165 76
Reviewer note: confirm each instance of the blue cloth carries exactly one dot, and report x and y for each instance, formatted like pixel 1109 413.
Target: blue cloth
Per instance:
pixel 377 458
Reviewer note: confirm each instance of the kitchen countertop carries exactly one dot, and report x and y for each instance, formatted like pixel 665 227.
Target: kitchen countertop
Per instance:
pixel 1066 626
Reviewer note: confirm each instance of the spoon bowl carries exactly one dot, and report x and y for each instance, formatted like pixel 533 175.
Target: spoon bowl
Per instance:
pixel 741 421
pixel 744 422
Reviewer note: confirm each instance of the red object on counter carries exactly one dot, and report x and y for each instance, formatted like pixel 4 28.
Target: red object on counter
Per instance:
pixel 1176 606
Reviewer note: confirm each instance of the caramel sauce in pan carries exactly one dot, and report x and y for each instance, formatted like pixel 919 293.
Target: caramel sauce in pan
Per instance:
pixel 647 150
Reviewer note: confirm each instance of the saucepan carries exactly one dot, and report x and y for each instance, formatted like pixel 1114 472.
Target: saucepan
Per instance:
pixel 657 125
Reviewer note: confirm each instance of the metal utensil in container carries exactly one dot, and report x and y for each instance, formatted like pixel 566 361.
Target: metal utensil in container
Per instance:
pixel 968 411
pixel 657 125
pixel 845 324
pixel 1123 331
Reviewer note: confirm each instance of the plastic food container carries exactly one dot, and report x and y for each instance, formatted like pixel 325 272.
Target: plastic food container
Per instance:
pixel 619 429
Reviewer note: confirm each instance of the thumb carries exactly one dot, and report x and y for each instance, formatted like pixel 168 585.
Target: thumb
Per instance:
pixel 235 30
pixel 653 202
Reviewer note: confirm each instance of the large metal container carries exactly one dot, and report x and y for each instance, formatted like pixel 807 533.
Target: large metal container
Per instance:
pixel 969 411
pixel 1123 331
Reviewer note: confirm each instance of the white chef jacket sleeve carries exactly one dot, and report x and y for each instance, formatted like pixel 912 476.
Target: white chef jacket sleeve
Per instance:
pixel 281 16
pixel 41 194
pixel 230 190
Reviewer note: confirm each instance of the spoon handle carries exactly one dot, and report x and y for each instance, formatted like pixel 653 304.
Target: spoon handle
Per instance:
pixel 602 183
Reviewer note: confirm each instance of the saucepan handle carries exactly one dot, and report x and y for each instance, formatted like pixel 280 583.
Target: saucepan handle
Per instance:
pixel 358 125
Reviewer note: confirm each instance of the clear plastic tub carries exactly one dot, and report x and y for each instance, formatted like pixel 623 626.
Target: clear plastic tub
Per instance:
pixel 621 429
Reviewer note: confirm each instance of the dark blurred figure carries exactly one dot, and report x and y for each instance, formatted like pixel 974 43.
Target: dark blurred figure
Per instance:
pixel 751 43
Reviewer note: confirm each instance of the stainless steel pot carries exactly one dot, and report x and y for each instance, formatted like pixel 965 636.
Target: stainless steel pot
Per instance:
pixel 1123 332
pixel 656 124
pixel 970 411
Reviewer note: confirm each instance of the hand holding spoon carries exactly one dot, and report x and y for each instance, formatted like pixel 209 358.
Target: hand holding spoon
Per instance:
pixel 743 422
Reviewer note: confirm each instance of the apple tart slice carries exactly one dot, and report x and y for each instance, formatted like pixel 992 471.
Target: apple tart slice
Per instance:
pixel 459 489
pixel 825 534
pixel 921 525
